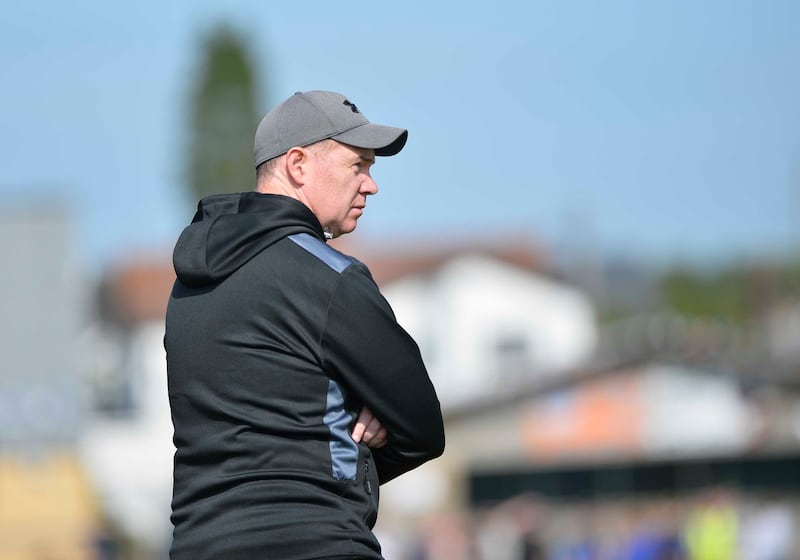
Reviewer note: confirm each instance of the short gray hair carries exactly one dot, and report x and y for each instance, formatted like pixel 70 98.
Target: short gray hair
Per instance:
pixel 267 168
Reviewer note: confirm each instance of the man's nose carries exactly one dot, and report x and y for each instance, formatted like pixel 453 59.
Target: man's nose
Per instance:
pixel 369 186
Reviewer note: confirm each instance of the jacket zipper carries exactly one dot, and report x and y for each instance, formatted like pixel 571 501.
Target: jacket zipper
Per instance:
pixel 367 483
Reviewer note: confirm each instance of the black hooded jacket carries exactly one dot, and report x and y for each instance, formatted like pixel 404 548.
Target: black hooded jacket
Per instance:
pixel 274 343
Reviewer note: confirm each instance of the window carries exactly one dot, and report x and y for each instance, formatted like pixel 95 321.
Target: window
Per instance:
pixel 513 356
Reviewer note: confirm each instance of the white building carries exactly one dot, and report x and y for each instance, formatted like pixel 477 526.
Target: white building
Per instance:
pixel 485 326
pixel 126 445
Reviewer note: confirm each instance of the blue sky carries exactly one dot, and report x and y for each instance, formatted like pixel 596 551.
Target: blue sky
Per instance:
pixel 662 131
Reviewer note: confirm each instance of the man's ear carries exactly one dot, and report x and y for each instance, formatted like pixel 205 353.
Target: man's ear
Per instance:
pixel 297 161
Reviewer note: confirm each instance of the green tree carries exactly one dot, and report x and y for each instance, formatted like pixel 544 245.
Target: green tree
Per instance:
pixel 741 293
pixel 721 294
pixel 224 117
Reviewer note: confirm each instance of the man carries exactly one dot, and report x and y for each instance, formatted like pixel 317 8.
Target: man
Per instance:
pixel 294 392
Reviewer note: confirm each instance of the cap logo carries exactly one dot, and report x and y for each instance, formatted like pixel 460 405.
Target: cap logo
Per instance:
pixel 351 105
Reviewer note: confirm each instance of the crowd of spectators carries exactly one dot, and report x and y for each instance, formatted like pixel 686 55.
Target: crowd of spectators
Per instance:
pixel 716 524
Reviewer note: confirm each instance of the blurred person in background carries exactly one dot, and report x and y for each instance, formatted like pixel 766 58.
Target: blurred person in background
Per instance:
pixel 294 392
pixel 768 531
pixel 655 533
pixel 712 528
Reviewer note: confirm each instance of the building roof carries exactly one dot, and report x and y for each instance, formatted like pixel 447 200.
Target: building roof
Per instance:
pixel 392 261
pixel 137 289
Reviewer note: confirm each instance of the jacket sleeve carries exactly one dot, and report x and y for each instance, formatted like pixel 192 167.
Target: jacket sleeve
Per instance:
pixel 380 364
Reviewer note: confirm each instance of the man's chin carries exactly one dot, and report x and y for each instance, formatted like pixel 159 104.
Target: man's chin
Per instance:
pixel 347 228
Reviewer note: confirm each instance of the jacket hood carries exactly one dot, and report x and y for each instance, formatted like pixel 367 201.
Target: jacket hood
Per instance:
pixel 230 229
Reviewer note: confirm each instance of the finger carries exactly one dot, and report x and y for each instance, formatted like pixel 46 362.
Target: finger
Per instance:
pixel 375 434
pixel 358 431
pixel 372 428
pixel 380 438
pixel 364 418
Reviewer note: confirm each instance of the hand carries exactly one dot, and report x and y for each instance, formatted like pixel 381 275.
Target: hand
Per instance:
pixel 369 430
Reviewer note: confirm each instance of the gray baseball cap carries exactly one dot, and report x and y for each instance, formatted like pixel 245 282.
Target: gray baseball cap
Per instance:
pixel 311 116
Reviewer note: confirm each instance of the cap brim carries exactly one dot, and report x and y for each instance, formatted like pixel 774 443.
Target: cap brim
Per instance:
pixel 385 140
